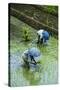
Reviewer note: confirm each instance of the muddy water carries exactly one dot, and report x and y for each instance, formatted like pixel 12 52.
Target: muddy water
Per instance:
pixel 43 73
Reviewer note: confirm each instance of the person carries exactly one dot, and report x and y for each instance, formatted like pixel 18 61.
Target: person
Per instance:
pixel 25 58
pixel 43 36
pixel 29 54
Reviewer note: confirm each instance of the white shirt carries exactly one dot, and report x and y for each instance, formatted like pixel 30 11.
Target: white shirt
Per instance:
pixel 40 33
pixel 24 55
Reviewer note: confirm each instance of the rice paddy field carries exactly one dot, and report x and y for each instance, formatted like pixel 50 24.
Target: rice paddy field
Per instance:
pixel 45 72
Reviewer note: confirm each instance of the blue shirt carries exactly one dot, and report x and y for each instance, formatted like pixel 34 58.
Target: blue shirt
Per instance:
pixel 45 35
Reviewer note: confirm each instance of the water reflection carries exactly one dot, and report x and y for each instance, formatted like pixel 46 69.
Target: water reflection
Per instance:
pixel 31 75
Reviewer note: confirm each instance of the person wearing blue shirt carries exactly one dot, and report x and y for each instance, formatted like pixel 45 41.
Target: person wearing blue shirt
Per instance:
pixel 29 54
pixel 43 36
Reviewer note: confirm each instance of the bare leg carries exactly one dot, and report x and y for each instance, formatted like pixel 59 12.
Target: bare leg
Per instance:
pixel 38 39
pixel 26 63
pixel 41 41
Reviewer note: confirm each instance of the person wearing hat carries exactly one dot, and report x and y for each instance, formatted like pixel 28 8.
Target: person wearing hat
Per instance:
pixel 29 54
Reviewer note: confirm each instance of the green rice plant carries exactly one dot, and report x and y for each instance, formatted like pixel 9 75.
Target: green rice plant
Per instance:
pixel 26 33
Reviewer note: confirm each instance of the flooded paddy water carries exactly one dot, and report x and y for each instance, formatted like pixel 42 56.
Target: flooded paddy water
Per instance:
pixel 45 72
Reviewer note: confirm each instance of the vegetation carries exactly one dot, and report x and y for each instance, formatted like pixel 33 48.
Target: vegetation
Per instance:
pixel 46 70
pixel 26 33
pixel 51 9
